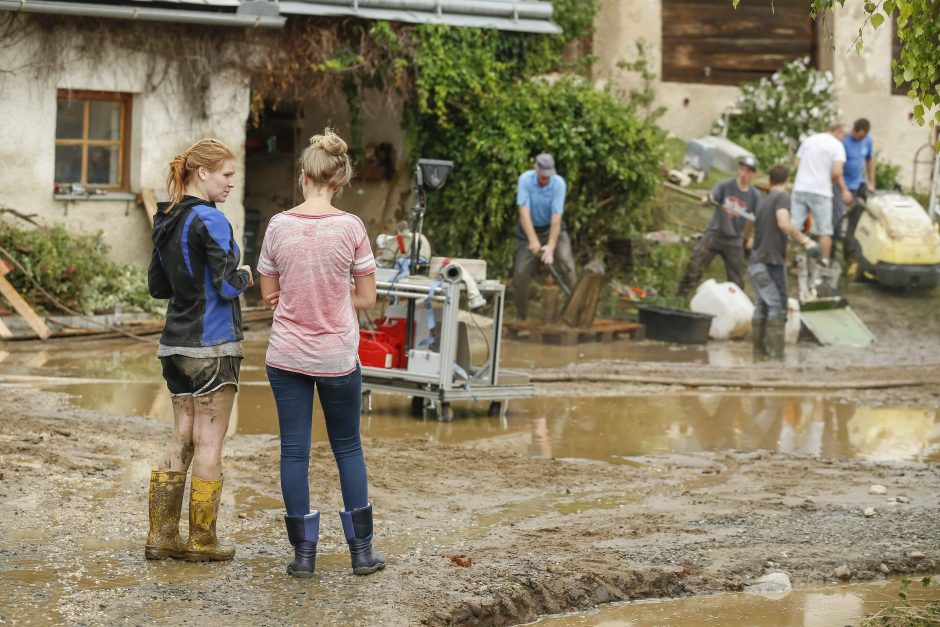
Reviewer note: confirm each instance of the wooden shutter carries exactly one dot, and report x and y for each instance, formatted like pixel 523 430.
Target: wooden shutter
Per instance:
pixel 708 41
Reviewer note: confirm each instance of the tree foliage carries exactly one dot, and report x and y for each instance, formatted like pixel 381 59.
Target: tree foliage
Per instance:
pixel 480 103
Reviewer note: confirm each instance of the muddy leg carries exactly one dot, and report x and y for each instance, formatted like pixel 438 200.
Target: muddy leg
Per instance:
pixel 180 452
pixel 209 427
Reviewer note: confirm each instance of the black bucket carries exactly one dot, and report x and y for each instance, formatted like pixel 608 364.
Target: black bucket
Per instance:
pixel 675 325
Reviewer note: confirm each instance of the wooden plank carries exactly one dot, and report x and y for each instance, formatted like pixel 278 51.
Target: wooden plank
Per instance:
pixel 149 200
pixel 23 308
pixel 5 332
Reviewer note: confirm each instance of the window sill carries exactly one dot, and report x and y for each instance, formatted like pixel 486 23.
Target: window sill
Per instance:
pixel 107 196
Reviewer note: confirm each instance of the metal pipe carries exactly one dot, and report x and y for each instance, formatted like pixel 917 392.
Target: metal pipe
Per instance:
pixel 141 14
pixel 492 8
pixel 437 299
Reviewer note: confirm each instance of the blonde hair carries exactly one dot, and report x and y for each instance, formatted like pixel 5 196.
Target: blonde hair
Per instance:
pixel 325 162
pixel 208 153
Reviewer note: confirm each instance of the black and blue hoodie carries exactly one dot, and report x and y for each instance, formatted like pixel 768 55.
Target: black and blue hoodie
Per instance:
pixel 194 264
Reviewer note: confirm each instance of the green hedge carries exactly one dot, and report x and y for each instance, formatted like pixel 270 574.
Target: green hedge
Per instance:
pixel 75 269
pixel 609 158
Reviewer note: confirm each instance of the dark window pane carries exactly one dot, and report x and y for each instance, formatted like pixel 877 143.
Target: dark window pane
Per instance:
pixel 69 119
pixel 68 164
pixel 104 120
pixel 103 165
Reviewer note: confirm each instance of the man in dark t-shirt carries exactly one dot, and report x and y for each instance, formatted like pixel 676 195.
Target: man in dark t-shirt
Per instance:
pixel 735 200
pixel 772 227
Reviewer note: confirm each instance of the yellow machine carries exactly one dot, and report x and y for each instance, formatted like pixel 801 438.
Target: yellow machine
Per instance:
pixel 894 243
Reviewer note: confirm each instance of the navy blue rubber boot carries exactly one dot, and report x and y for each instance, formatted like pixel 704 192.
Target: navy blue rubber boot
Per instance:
pixel 357 526
pixel 303 533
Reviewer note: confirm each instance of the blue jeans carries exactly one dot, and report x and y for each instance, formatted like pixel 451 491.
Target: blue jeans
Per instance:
pixel 770 283
pixel 341 400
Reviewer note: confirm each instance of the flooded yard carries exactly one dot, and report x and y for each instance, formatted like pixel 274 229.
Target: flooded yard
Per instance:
pixel 590 493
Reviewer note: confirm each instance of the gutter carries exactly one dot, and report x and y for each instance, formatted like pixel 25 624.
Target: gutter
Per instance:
pixel 142 14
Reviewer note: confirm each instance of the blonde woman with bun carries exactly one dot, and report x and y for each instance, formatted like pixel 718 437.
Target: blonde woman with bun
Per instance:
pixel 195 266
pixel 317 269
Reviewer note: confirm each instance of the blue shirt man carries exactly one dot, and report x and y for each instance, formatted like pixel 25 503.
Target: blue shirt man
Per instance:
pixel 859 157
pixel 543 201
pixel 540 233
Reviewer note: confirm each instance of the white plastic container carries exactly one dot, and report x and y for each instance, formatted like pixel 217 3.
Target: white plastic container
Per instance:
pixel 791 332
pixel 729 304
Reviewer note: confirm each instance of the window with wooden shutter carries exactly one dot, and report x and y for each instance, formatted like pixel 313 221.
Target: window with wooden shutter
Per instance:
pixel 708 41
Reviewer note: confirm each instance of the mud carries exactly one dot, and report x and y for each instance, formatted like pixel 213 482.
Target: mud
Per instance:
pixel 595 492
pixel 545 535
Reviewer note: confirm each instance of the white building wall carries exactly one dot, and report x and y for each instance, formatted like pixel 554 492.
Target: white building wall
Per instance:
pixel 162 126
pixel 863 81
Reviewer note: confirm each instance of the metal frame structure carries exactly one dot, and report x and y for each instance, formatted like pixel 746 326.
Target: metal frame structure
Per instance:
pixel 433 394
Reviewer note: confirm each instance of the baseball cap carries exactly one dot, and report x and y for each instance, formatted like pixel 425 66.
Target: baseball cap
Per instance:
pixel 545 164
pixel 749 161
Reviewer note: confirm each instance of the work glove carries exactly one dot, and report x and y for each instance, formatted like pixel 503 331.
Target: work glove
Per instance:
pixel 812 248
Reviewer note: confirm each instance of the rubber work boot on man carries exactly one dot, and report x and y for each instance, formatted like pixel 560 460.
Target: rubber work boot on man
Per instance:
pixel 357 525
pixel 776 338
pixel 303 533
pixel 759 337
pixel 203 545
pixel 166 501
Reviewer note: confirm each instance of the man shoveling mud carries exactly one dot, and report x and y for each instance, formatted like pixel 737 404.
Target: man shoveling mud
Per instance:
pixel 540 234
pixel 733 199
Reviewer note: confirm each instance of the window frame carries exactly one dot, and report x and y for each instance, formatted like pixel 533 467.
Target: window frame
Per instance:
pixel 123 143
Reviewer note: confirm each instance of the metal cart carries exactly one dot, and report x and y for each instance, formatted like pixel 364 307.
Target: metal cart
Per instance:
pixel 434 379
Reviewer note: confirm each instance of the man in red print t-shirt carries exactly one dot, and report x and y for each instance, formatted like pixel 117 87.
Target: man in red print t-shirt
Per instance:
pixel 733 199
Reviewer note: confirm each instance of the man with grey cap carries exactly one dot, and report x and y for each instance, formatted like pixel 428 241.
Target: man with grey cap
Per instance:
pixel 735 201
pixel 540 234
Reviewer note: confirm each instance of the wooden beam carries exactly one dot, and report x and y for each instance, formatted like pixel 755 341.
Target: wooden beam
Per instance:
pixel 149 199
pixel 22 307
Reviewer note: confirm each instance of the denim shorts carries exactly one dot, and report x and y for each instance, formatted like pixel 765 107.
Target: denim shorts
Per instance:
pixel 199 376
pixel 817 205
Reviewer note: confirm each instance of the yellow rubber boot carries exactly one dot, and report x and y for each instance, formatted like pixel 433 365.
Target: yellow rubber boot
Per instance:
pixel 203 545
pixel 166 502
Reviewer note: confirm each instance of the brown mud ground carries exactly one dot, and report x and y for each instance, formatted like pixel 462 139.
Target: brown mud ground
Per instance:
pixel 544 535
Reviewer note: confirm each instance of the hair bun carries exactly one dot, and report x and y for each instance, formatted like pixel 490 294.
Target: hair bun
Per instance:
pixel 330 143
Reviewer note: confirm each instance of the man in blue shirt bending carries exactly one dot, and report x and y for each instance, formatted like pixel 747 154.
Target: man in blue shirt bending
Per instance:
pixel 859 174
pixel 540 235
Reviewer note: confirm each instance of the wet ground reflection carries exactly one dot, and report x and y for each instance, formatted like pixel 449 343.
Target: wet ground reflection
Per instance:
pixel 817 606
pixel 607 429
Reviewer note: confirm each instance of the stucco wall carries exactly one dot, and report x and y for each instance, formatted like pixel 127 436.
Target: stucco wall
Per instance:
pixel 162 126
pixel 863 82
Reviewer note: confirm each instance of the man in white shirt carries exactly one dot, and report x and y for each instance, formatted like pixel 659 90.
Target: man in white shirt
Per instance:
pixel 819 163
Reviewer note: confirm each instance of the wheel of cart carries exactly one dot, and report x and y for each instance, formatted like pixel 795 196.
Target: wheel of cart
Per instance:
pixel 427 408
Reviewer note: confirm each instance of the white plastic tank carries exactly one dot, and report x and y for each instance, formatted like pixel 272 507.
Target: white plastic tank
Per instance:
pixel 729 304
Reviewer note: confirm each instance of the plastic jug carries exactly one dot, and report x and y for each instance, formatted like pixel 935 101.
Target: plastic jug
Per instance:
pixel 791 332
pixel 729 304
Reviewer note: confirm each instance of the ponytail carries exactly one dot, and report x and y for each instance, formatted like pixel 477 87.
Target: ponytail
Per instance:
pixel 208 153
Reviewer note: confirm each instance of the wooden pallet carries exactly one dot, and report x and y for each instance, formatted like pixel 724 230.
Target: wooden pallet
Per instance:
pixel 600 331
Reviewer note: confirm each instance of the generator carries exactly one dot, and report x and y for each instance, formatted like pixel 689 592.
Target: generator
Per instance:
pixel 894 243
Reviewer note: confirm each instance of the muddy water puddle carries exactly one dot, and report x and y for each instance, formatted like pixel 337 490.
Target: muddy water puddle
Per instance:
pixel 817 606
pixel 609 429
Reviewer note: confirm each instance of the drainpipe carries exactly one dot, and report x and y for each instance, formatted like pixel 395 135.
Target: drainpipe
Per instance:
pixel 490 8
pixel 143 14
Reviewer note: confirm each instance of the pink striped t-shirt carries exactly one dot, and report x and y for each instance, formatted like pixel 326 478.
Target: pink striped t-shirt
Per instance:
pixel 315 329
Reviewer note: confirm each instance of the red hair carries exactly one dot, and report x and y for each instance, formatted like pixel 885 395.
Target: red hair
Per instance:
pixel 208 153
